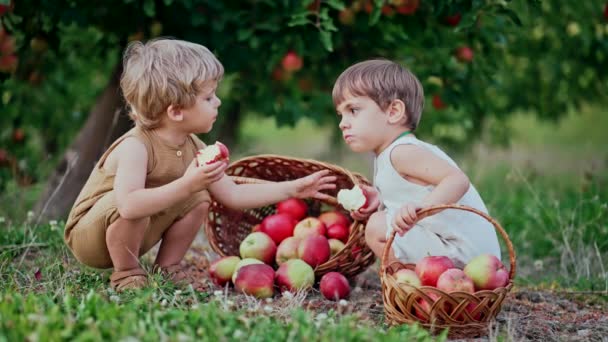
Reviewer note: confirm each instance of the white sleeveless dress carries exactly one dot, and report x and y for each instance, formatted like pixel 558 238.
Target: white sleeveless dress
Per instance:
pixel 454 233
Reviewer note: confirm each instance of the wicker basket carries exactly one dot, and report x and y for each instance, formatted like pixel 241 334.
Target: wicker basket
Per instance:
pixel 401 301
pixel 227 227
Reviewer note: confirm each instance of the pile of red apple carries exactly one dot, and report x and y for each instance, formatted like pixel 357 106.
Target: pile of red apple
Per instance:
pixel 293 242
pixel 484 272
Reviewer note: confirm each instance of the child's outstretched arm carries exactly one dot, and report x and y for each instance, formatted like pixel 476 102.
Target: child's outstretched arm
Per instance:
pixel 420 165
pixel 135 201
pixel 244 196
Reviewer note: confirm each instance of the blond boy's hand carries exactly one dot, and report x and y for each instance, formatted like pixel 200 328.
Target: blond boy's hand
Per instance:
pixel 406 218
pixel 200 177
pixel 373 202
pixel 312 185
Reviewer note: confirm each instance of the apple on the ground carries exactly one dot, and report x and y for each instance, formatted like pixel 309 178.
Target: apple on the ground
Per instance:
pixel 294 275
pixel 287 250
pixel 256 280
pixel 221 270
pixel 334 286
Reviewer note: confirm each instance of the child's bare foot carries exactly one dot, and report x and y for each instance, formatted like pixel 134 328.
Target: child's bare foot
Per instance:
pixel 132 279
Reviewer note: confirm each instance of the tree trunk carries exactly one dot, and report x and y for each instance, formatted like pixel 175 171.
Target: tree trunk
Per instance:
pixel 107 121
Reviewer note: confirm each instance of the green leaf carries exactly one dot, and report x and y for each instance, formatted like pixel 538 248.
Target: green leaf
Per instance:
pixel 149 8
pixel 299 19
pixel 244 34
pixel 510 14
pixel 336 4
pixel 326 40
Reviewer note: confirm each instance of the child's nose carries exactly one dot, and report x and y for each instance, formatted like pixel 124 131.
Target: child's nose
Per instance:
pixel 343 124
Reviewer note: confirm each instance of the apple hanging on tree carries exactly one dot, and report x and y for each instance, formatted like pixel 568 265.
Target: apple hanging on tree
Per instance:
pixel 464 54
pixel 292 62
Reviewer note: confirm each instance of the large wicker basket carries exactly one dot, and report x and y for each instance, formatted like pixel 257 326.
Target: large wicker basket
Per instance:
pixel 465 314
pixel 228 227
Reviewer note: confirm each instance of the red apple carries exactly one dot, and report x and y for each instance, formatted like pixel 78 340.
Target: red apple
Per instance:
pixel 346 17
pixel 334 217
pixel 212 154
pixel 244 262
pixel 438 102
pixel 295 275
pixel 606 12
pixel 338 231
pixel 454 280
pixel 464 54
pixel 453 20
pixel 259 246
pixel 7 45
pixel 352 199
pixel 4 156
pixel 309 226
pixel 18 135
pixel 408 7
pixel 292 62
pixel 335 246
pixel 8 63
pixel 257 228
pixel 334 286
pixel 295 207
pixel 487 272
pixel 425 312
pixel 409 277
pixel 3 9
pixel 256 280
pixel 221 270
pixel 430 268
pixel 314 250
pixel 278 226
pixel 387 10
pixel 287 250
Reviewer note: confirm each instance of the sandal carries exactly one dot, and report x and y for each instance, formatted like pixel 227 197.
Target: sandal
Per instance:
pixel 134 278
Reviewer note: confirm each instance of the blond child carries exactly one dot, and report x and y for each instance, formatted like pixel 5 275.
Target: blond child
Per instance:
pixel 380 104
pixel 147 187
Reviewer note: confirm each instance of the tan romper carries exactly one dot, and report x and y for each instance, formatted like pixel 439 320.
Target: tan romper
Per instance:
pixel 95 208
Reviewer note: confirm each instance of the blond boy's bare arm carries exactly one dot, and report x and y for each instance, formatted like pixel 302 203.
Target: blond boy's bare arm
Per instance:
pixel 421 164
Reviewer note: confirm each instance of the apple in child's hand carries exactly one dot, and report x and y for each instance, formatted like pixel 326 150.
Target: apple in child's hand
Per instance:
pixel 295 207
pixel 430 268
pixel 314 250
pixel 487 272
pixel 259 246
pixel 338 231
pixel 244 262
pixel 212 154
pixel 295 275
pixel 278 226
pixel 353 199
pixel 335 246
pixel 334 217
pixel 287 250
pixel 221 270
pixel 334 286
pixel 309 226
pixel 454 280
pixel 256 280
pixel 409 277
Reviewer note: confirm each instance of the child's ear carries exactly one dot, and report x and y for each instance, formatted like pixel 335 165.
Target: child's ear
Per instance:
pixel 175 113
pixel 397 113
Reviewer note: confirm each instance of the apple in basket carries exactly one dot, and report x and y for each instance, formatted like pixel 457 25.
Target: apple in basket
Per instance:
pixel 487 272
pixel 334 286
pixel 338 231
pixel 309 226
pixel 409 277
pixel 425 306
pixel 287 250
pixel 221 270
pixel 256 280
pixel 330 218
pixel 212 153
pixel 242 263
pixel 259 246
pixel 256 228
pixel 335 246
pixel 454 280
pixel 295 275
pixel 295 207
pixel 353 199
pixel 314 250
pixel 430 268
pixel 278 226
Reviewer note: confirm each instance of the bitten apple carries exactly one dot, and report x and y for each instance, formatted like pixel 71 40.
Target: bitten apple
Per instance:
pixel 487 272
pixel 353 199
pixel 287 250
pixel 259 246
pixel 430 268
pixel 309 226
pixel 221 270
pixel 314 250
pixel 295 207
pixel 212 153
pixel 294 275
pixel 334 286
pixel 278 226
pixel 256 280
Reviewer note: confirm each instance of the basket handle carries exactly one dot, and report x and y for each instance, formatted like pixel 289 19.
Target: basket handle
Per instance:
pixel 425 212
pixel 248 180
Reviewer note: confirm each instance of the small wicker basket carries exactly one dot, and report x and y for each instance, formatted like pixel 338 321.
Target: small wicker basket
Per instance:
pixel 227 227
pixel 465 314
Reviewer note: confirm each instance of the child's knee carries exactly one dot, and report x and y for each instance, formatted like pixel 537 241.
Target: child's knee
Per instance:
pixel 375 230
pixel 134 225
pixel 199 211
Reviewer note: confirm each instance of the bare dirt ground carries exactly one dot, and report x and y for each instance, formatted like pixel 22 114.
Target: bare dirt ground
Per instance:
pixel 526 314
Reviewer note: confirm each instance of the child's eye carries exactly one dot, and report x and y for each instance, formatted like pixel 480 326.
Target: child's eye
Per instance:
pixel 354 110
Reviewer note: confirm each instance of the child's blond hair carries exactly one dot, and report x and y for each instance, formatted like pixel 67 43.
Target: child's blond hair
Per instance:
pixel 383 81
pixel 165 72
